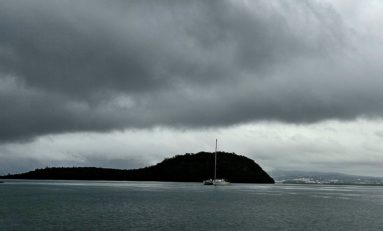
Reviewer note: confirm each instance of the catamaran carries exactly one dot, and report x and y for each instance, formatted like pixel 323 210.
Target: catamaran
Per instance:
pixel 215 181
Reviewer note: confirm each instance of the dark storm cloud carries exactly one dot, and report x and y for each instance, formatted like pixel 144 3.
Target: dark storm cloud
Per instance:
pixel 69 66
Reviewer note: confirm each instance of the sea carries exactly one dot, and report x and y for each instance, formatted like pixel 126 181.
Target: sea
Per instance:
pixel 97 205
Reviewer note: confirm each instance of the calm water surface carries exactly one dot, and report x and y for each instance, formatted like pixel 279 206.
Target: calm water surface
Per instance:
pixel 82 205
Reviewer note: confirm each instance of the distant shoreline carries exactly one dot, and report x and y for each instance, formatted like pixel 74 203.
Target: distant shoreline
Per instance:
pixel 5 180
pixel 181 168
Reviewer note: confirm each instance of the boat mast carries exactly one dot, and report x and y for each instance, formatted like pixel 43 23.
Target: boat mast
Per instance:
pixel 215 160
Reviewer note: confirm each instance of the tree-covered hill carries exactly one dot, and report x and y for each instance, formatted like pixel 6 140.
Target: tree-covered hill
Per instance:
pixel 182 168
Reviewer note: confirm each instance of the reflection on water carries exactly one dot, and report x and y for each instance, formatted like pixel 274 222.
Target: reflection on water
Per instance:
pixel 97 205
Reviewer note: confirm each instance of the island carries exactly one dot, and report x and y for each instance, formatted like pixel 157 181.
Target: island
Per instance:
pixel 180 168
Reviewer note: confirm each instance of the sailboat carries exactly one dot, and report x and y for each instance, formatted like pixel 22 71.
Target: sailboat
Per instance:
pixel 215 181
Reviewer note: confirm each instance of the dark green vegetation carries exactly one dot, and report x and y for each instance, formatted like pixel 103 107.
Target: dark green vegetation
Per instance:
pixel 181 168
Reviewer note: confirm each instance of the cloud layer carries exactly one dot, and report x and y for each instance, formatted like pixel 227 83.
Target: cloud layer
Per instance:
pixel 73 66
pixel 353 147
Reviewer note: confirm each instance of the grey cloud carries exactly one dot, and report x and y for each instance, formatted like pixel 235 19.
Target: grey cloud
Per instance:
pixel 68 66
pixel 333 146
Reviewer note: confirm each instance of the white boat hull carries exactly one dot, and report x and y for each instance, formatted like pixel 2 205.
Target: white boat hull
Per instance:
pixel 208 182
pixel 220 182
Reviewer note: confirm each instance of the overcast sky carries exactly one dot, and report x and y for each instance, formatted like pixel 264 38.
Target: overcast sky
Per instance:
pixel 292 84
